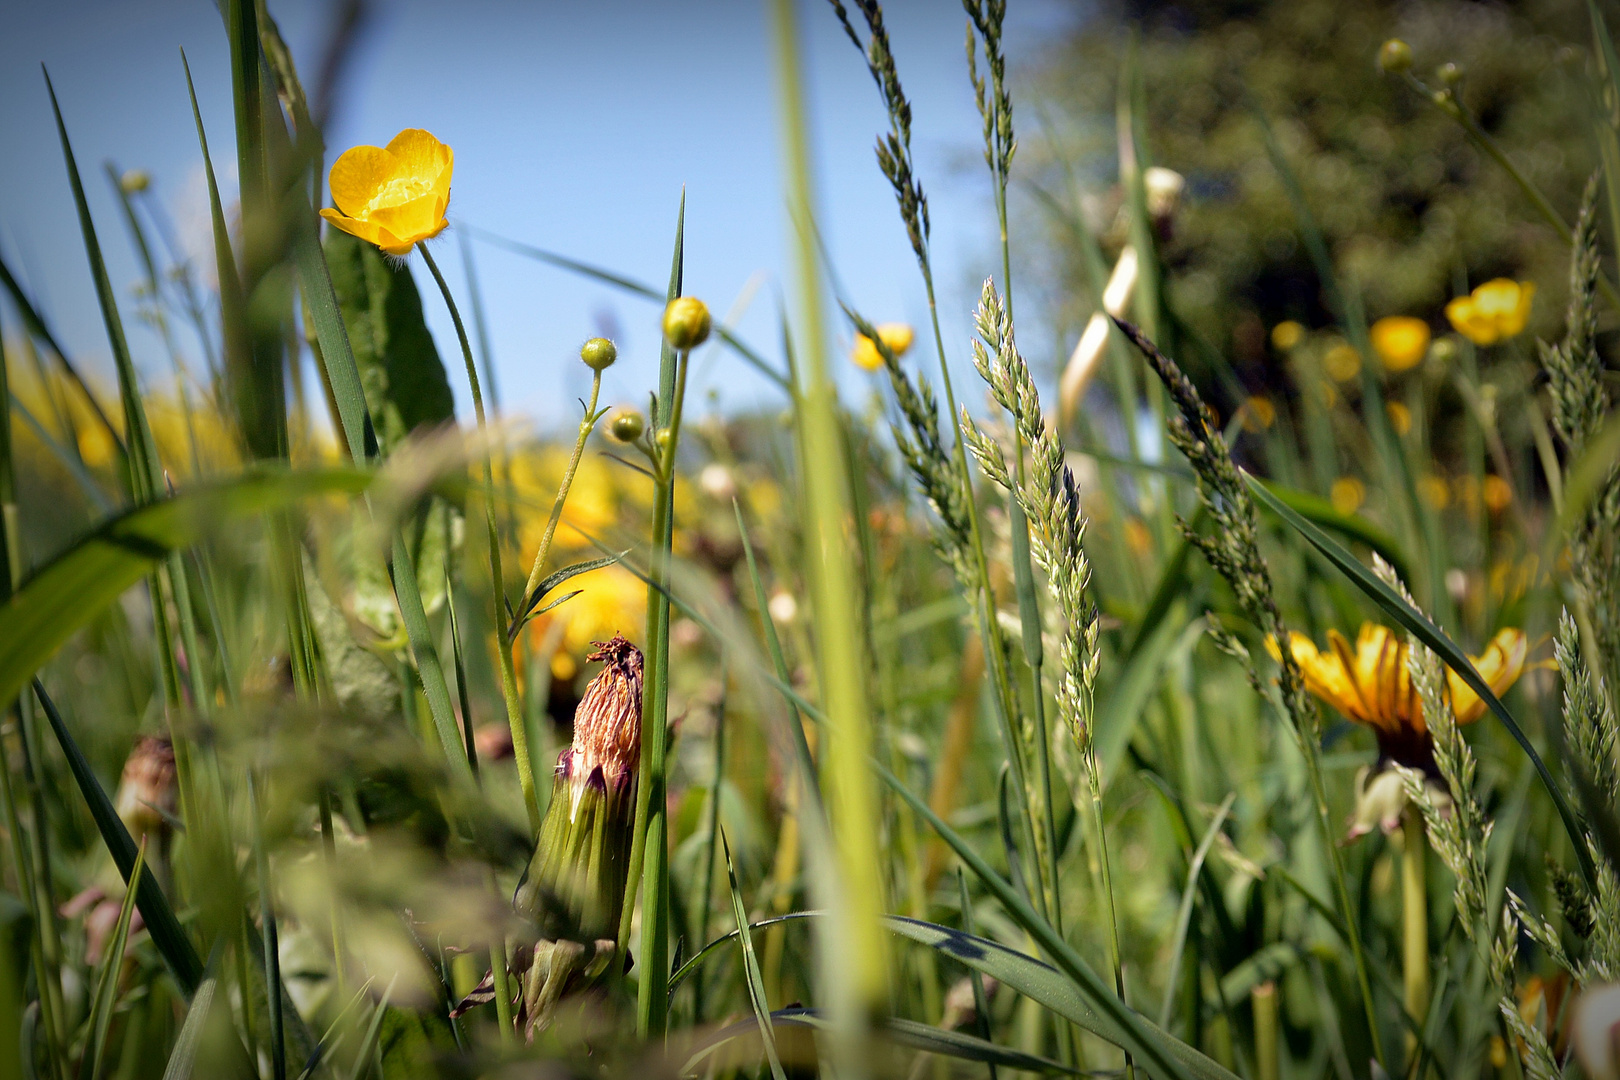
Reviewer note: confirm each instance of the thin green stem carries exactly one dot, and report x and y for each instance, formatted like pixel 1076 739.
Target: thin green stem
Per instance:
pixel 503 651
pixel 586 426
pixel 1415 922
pixel 1099 827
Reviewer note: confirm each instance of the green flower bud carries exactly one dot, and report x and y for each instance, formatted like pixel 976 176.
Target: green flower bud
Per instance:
pixel 599 353
pixel 575 886
pixel 135 180
pixel 661 440
pixel 1450 74
pixel 626 425
pixel 686 322
pixel 1395 56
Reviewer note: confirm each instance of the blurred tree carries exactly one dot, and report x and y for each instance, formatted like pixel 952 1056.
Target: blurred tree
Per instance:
pixel 1408 207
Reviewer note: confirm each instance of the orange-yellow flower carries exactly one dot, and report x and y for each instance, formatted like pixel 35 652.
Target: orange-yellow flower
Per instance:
pixel 393 196
pixel 897 336
pixel 1496 310
pixel 1400 341
pixel 1371 685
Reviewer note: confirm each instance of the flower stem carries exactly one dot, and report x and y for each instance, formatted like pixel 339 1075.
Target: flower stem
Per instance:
pixel 586 426
pixel 1264 1000
pixel 514 707
pixel 1415 920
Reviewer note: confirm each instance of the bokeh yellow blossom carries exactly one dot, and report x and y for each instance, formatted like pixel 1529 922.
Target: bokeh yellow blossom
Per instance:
pixel 393 196
pixel 1347 494
pixel 897 336
pixel 1400 341
pixel 1497 493
pixel 1287 334
pixel 1258 413
pixel 1400 417
pixel 1342 362
pixel 1434 490
pixel 1493 312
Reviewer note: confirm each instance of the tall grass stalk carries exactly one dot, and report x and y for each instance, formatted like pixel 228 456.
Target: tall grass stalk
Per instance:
pixel 503 651
pixel 854 951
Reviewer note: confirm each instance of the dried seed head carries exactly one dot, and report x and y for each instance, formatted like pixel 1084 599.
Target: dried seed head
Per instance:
pixel 146 793
pixel 607 723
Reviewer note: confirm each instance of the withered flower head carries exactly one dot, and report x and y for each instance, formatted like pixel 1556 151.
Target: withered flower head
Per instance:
pixel 146 793
pixel 575 884
pixel 607 723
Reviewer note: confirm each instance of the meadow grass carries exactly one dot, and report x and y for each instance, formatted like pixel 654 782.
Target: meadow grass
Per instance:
pixel 1018 739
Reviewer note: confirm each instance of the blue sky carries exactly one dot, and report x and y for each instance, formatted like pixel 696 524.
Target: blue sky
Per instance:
pixel 574 126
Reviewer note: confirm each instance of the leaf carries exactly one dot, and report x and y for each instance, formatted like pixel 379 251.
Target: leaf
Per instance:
pixel 703 954
pixel 74 587
pixel 1431 635
pixel 161 924
pixel 1116 720
pixel 368 1045
pixel 751 973
pixel 112 967
pixel 400 370
pixel 553 580
pixel 909 1033
pixel 1267 963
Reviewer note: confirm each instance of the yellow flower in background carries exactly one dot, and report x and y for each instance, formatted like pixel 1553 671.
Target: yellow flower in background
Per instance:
pixel 897 336
pixel 1497 493
pixel 1400 417
pixel 1371 685
pixel 1400 341
pixel 1285 335
pixel 1435 491
pixel 1258 413
pixel 1496 310
pixel 1342 362
pixel 1347 494
pixel 393 196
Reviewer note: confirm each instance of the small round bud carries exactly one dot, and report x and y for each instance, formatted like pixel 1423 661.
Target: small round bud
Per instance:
pixel 1450 74
pixel 686 322
pixel 661 440
pixel 135 180
pixel 1395 56
pixel 599 353
pixel 626 425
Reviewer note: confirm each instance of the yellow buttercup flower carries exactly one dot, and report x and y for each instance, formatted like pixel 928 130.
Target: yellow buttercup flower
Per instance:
pixel 393 196
pixel 1342 362
pixel 1496 310
pixel 897 336
pixel 1371 685
pixel 1347 494
pixel 1400 341
pixel 1285 335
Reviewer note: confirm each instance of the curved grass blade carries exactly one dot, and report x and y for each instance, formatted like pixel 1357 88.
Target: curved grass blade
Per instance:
pixel 161 923
pixel 630 285
pixel 35 325
pixel 1076 991
pixel 751 973
pixel 981 1003
pixel 908 1033
pixel 107 982
pixel 73 588
pixel 369 1044
pixel 184 1056
pixel 1188 895
pixel 1320 511
pixel 1431 635
pixel 687 968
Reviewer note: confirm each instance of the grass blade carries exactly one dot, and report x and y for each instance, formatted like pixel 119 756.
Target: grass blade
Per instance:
pixel 756 982
pixel 1188 895
pixel 1075 992
pixel 112 966
pixel 1431 635
pixel 161 923
pixel 73 588
pixel 183 1058
pixel 909 1033
pixel 630 285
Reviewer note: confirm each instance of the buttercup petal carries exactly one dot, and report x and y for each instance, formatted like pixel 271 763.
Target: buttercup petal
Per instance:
pixel 1512 323
pixel 422 157
pixel 366 230
pixel 1468 321
pixel 411 221
pixel 357 176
